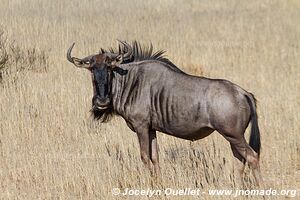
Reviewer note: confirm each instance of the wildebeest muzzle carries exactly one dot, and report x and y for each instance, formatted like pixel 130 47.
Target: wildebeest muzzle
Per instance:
pixel 101 103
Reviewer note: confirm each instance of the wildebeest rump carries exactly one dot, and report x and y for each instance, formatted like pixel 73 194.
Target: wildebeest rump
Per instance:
pixel 152 94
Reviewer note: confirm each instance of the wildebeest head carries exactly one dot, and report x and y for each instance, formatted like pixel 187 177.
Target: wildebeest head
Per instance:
pixel 101 66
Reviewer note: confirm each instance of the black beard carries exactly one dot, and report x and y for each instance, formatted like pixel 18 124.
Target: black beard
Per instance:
pixel 103 115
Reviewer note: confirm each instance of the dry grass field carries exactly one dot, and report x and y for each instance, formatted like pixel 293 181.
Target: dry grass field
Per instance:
pixel 51 148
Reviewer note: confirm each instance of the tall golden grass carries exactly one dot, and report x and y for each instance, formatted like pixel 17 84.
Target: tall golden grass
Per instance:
pixel 50 148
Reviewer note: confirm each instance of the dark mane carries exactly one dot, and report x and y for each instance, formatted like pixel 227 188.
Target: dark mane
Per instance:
pixel 141 53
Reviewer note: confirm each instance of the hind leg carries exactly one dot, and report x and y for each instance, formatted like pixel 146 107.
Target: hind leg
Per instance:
pixel 253 161
pixel 246 153
pixel 239 166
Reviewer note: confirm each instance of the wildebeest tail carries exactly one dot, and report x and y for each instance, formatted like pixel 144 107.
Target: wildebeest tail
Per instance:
pixel 254 140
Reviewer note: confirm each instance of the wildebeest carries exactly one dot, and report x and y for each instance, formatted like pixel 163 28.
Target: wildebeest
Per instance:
pixel 152 94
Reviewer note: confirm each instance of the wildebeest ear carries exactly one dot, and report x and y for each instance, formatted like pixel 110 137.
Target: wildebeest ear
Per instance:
pixel 117 60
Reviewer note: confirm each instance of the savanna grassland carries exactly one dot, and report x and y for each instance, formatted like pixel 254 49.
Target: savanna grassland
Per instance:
pixel 51 148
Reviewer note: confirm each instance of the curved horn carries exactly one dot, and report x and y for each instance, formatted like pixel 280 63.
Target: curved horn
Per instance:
pixel 69 57
pixel 129 51
pixel 128 47
pixel 77 61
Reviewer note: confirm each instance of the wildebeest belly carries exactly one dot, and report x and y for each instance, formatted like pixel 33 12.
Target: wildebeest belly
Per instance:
pixel 188 134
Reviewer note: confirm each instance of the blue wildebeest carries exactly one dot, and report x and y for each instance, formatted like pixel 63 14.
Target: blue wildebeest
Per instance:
pixel 152 94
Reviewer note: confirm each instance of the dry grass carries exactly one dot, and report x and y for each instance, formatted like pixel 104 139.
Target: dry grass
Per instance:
pixel 51 148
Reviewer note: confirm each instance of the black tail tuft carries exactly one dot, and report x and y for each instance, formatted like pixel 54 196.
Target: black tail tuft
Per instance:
pixel 254 140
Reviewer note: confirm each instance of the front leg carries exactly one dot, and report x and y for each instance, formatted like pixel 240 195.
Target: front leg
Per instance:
pixel 144 141
pixel 149 149
pixel 154 151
